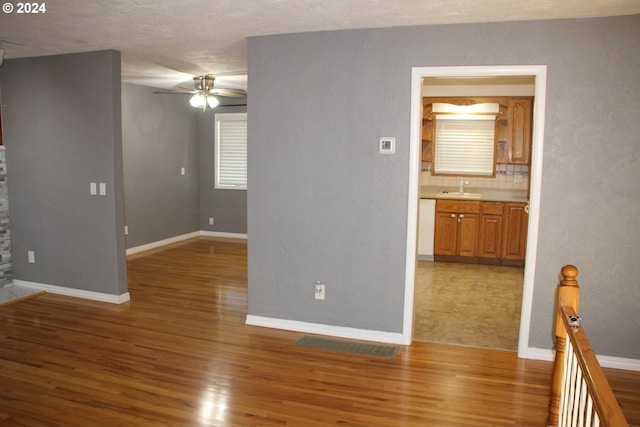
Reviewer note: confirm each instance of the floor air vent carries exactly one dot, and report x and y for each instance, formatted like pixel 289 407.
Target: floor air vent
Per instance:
pixel 347 346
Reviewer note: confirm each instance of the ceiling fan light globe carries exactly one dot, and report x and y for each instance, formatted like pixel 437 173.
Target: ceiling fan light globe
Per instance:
pixel 197 100
pixel 212 101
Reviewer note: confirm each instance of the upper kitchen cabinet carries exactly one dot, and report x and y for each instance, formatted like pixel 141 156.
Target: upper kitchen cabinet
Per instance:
pixel 502 135
pixel 513 125
pixel 428 131
pixel 519 130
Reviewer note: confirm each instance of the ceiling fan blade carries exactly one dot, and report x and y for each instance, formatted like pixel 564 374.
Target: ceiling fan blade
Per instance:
pixel 174 92
pixel 230 93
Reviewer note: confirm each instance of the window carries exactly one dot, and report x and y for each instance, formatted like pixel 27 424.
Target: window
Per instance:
pixel 231 151
pixel 464 145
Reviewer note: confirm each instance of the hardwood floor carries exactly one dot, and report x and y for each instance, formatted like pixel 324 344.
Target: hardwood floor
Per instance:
pixel 179 354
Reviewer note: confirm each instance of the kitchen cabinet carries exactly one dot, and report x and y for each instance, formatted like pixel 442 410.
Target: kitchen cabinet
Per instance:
pixel 502 135
pixel 456 228
pixel 428 132
pixel 490 239
pixel 481 232
pixel 514 243
pixel 512 128
pixel 519 130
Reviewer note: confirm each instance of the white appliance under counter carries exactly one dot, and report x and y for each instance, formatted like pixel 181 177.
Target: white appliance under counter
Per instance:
pixel 426 229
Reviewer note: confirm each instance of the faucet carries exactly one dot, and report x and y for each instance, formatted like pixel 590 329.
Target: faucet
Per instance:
pixel 462 184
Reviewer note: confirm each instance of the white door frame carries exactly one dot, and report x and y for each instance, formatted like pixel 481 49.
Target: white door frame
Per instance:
pixel 539 72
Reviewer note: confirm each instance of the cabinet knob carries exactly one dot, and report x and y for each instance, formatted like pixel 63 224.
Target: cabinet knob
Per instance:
pixel 461 215
pixel 453 215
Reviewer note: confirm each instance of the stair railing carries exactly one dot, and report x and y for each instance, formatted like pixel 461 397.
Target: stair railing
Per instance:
pixel 580 393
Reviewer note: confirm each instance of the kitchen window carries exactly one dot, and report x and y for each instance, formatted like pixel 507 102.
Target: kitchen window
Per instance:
pixel 464 144
pixel 231 151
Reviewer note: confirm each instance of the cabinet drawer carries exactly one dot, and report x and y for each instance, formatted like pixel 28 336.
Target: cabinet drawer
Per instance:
pixel 458 206
pixel 492 208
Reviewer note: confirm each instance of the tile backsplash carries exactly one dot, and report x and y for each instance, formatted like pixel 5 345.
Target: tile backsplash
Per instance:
pixel 508 177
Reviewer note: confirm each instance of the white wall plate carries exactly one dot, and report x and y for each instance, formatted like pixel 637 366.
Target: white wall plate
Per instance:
pixel 387 145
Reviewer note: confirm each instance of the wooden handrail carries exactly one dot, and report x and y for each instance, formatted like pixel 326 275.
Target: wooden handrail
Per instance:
pixel 567 325
pixel 568 295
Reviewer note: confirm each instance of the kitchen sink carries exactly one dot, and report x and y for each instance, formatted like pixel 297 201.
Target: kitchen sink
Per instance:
pixel 459 195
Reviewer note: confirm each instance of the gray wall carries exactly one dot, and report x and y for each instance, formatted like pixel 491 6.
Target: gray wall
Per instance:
pixel 62 130
pixel 323 205
pixel 227 207
pixel 160 136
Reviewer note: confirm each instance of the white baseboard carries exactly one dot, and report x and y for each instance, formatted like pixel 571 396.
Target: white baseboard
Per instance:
pixel 119 299
pixel 176 239
pixel 605 361
pixel 160 243
pixel 320 329
pixel 540 354
pixel 77 293
pixel 223 234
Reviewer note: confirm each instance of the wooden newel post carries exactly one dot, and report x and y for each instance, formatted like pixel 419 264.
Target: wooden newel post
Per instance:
pixel 568 296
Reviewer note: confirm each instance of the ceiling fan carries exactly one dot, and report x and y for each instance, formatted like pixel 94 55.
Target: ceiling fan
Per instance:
pixel 204 95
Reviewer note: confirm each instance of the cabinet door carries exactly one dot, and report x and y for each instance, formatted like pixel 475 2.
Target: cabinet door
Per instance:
pixel 502 135
pixel 516 220
pixel 468 225
pixel 427 133
pixel 446 233
pixel 427 151
pixel 519 130
pixel 490 236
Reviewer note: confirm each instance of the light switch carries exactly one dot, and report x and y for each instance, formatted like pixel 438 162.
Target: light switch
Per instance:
pixel 103 189
pixel 92 188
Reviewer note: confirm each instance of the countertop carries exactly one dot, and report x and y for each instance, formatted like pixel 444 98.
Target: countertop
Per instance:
pixel 488 194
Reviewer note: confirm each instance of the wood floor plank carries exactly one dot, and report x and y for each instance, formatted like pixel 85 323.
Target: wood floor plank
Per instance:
pixel 180 354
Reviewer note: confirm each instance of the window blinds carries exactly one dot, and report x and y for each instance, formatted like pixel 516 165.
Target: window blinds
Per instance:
pixel 464 145
pixel 231 151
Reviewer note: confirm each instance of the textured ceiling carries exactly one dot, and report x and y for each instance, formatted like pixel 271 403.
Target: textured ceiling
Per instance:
pixel 164 43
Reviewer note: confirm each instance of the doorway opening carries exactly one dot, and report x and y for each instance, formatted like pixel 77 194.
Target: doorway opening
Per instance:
pixel 538 72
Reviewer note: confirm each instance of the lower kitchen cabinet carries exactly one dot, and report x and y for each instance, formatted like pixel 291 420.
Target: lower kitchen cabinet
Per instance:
pixel 468 226
pixel 490 243
pixel 446 234
pixel 516 222
pixel 457 227
pixel 486 232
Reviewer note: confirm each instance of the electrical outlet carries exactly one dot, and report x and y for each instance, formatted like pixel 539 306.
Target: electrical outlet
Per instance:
pixel 126 230
pixel 211 221
pixel 319 290
pixel 31 257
